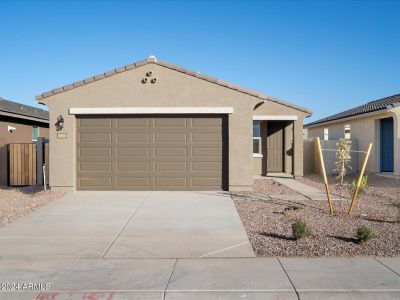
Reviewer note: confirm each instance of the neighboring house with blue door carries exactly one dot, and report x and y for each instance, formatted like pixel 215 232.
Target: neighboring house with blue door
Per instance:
pixel 377 121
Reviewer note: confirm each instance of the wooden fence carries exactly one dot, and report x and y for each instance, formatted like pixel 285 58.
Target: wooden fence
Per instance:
pixel 22 164
pixel 25 162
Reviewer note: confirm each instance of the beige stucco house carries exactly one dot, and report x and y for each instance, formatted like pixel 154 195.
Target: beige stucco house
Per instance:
pixel 152 125
pixel 376 122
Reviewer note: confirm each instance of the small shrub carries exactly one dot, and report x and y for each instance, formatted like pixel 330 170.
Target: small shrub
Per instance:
pixel 293 207
pixel 343 159
pixel 300 229
pixel 363 186
pixel 364 234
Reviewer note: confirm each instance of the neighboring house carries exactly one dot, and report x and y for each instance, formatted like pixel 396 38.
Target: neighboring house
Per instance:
pixel 152 125
pixel 377 122
pixel 19 123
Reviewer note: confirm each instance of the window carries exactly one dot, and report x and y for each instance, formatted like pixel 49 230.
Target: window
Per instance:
pixel 326 134
pixel 347 134
pixel 35 133
pixel 256 138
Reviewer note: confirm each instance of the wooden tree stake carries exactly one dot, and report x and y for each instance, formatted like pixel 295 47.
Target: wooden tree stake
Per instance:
pixel 354 198
pixel 321 158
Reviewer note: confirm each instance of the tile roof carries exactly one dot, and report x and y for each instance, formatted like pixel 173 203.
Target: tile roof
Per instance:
pixel 153 60
pixel 376 105
pixel 23 110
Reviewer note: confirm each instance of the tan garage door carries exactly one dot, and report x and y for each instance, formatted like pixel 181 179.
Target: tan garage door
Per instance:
pixel 151 153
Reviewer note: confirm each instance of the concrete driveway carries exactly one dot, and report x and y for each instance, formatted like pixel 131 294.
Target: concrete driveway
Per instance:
pixel 129 225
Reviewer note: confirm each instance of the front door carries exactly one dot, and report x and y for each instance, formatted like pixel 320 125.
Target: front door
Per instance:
pixel 275 131
pixel 387 152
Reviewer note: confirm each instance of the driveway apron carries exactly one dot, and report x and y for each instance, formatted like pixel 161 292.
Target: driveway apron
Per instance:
pixel 129 225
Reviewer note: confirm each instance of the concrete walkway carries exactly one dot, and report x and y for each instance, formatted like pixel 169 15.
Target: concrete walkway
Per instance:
pixel 309 192
pixel 129 225
pixel 212 278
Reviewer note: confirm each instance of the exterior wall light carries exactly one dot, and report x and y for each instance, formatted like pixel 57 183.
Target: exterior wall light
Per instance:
pixel 60 123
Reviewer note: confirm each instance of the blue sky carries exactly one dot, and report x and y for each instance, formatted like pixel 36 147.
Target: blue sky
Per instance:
pixel 325 55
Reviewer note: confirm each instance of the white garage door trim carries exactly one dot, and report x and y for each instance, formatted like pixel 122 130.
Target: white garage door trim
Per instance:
pixel 148 110
pixel 274 118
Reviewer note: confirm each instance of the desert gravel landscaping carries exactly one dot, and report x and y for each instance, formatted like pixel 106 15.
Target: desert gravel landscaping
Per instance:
pixel 268 221
pixel 18 202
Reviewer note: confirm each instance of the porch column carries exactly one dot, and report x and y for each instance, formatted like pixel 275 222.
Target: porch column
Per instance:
pixel 288 148
pixel 298 148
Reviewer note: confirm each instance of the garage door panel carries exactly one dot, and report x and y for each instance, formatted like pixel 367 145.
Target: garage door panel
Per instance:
pixel 95 123
pixel 134 123
pixel 171 137
pixel 150 153
pixel 170 151
pixel 132 138
pixel 133 182
pixel 132 152
pixel 206 166
pixel 207 159
pixel 206 121
pixel 170 182
pixel 138 166
pixel 95 182
pixel 86 137
pixel 201 152
pixel 201 137
pixel 170 166
pixel 206 181
pixel 176 122
pixel 95 152
pixel 95 166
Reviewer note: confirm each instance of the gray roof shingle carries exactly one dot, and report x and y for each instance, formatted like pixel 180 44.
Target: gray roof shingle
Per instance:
pixel 373 106
pixel 153 60
pixel 23 110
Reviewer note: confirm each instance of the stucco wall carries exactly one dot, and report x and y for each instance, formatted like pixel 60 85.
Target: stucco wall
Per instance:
pixel 308 156
pixel 365 130
pixel 257 165
pixel 23 134
pixel 173 89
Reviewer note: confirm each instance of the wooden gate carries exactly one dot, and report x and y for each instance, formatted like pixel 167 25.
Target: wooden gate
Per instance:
pixel 22 164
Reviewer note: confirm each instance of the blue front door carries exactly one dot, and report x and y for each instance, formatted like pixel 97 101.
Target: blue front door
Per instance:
pixel 387 145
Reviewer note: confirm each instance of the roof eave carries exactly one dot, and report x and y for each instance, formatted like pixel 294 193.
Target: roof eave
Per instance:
pixel 153 60
pixel 359 116
pixel 19 116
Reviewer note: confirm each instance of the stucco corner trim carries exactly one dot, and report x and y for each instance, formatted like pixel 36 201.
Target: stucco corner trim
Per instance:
pixel 275 118
pixel 148 110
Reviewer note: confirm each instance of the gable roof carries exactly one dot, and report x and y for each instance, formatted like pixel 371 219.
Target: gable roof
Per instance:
pixel 22 110
pixel 373 106
pixel 153 60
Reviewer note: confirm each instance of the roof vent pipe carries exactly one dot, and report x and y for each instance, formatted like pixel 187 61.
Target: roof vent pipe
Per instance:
pixel 152 58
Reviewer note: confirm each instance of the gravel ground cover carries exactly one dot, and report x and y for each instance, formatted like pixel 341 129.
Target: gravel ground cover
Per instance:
pixel 268 223
pixel 267 186
pixel 18 202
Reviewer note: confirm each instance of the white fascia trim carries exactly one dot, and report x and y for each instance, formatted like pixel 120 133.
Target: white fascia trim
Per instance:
pixel 360 116
pixel 275 118
pixel 148 110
